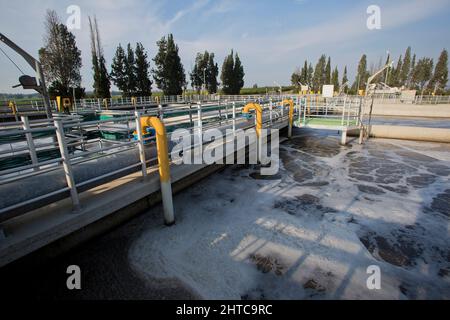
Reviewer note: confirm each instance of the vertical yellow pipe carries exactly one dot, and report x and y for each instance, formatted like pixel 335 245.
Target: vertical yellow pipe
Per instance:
pixel 161 145
pixel 164 166
pixel 290 102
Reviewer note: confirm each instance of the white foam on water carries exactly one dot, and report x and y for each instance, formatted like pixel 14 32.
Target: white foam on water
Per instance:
pixel 235 238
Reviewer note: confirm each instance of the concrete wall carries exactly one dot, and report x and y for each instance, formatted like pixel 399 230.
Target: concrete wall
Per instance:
pixel 409 110
pixel 407 133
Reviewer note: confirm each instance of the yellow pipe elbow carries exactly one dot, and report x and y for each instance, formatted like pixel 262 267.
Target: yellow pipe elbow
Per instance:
pixel 161 145
pixel 291 110
pixel 258 109
pixel 13 107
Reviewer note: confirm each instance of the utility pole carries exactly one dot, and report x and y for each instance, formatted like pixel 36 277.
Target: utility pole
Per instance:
pixel 204 80
pixel 37 67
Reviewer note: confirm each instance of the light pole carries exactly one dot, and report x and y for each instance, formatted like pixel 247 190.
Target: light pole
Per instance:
pixel 204 80
pixel 281 89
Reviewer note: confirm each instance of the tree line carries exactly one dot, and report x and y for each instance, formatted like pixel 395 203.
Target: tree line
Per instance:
pixel 409 72
pixel 130 71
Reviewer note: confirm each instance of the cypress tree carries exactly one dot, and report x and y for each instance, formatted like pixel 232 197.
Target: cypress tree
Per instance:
pixel 440 77
pixel 211 74
pixel 309 81
pixel 423 73
pixel 335 79
pixel 102 83
pixel 406 68
pixel 411 72
pixel 362 75
pixel 143 82
pixel 205 69
pixel 328 72
pixel 345 78
pixel 296 78
pixel 319 74
pixel 227 74
pixel 238 75
pixel 169 72
pixel 130 72
pixel 396 73
pixel 118 71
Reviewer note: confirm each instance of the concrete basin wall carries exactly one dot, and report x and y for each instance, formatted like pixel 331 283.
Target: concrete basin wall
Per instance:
pixel 407 133
pixel 409 110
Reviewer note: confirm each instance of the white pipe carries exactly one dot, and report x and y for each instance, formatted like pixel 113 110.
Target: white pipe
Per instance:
pixel 166 194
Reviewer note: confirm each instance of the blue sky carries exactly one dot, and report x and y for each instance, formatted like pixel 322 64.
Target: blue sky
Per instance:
pixel 272 37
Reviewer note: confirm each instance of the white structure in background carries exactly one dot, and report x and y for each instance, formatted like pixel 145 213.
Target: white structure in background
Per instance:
pixel 382 88
pixel 328 91
pixel 305 88
pixel 408 96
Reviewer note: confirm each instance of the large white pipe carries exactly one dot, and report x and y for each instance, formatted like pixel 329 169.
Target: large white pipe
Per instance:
pixel 407 133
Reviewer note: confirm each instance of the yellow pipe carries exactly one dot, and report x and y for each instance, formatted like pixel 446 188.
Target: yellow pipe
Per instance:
pixel 258 109
pixel 161 145
pixel 290 102
pixel 12 105
pixel 105 104
pixel 291 110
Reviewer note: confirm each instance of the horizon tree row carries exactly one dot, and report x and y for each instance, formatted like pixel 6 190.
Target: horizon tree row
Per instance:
pixel 408 73
pixel 130 69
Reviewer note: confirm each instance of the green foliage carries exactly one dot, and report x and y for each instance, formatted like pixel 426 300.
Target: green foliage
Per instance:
pixel 130 72
pixel 143 82
pixel 423 73
pixel 169 72
pixel 264 90
pixel 319 74
pixel 102 84
pixel 205 69
pixel 361 76
pixel 118 71
pixel 345 78
pixel 406 68
pixel 60 56
pixel 239 74
pixel 335 79
pixel 328 72
pixel 227 74
pixel 57 89
pixel 232 74
pixel 440 77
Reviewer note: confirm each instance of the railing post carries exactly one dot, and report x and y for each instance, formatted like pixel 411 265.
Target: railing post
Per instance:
pixel 190 115
pixel 67 166
pixel 161 112
pixel 30 142
pixel 343 111
pixel 141 144
pixel 271 111
pixel 198 153
pixel 220 114
pixel 234 118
